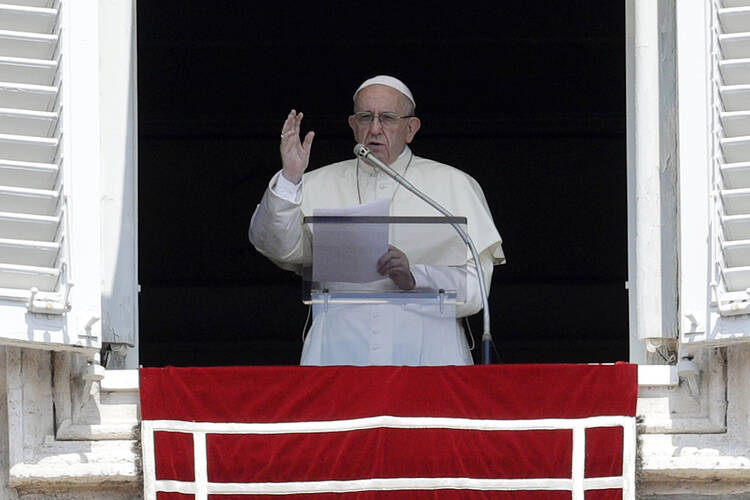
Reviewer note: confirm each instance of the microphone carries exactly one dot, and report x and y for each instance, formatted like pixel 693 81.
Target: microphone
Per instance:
pixel 363 152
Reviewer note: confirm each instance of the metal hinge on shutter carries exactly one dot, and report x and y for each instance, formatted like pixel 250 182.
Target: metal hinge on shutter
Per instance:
pixel 32 203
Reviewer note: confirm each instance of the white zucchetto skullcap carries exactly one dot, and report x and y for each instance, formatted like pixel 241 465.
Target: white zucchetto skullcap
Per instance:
pixel 388 81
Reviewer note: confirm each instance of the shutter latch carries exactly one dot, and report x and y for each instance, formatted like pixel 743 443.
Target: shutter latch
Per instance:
pixel 56 304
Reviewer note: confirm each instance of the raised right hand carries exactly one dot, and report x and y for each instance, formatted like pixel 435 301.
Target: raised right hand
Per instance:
pixel 295 154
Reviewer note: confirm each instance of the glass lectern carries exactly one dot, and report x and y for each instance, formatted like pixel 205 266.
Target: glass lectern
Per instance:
pixel 347 294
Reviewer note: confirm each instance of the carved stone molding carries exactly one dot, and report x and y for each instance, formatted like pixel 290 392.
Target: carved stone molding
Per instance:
pixel 676 410
pixel 44 404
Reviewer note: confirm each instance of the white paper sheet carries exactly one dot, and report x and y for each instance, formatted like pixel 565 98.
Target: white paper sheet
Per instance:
pixel 349 252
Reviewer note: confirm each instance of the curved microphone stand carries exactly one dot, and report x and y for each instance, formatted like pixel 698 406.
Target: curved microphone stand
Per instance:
pixel 363 152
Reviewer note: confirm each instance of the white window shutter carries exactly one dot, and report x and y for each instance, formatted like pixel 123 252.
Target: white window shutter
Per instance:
pixel 49 147
pixel 31 203
pixel 713 53
pixel 731 161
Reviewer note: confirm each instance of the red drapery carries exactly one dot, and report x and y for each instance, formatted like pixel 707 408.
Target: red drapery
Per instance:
pixel 319 433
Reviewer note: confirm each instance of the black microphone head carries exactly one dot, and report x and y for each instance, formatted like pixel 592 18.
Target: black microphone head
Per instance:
pixel 361 151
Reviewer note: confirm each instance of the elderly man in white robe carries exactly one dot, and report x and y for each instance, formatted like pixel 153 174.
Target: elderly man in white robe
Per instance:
pixel 384 120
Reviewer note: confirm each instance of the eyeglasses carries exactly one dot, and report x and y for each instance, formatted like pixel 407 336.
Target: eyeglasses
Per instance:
pixel 387 119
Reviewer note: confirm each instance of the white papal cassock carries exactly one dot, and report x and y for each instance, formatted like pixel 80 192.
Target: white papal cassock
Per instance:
pixel 378 334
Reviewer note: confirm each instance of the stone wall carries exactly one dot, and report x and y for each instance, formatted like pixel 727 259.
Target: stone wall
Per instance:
pixel 97 458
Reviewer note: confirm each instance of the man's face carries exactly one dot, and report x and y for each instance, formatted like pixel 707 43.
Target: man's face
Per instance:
pixel 386 142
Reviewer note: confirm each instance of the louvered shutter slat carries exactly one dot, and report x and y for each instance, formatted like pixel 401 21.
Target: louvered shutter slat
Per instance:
pixel 735 19
pixel 31 251
pixel 736 97
pixel 735 174
pixel 27 122
pixel 736 201
pixel 733 71
pixel 27 45
pixel 737 278
pixel 25 70
pixel 28 201
pixel 16 276
pixel 29 227
pixel 736 124
pixel 34 3
pixel 737 227
pixel 27 148
pixel 736 149
pixel 27 174
pixel 736 3
pixel 736 252
pixel 28 19
pixel 735 46
pixel 24 96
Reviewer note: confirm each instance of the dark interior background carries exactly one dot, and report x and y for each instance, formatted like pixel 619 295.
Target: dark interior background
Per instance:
pixel 529 98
